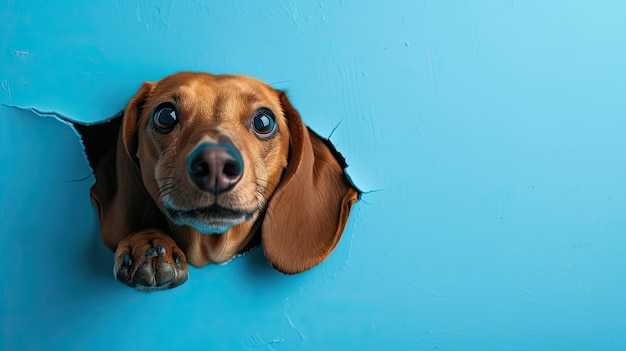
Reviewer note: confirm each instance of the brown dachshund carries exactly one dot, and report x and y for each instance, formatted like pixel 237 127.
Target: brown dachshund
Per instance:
pixel 201 168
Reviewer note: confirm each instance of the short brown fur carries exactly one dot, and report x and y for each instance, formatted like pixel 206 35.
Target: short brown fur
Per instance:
pixel 293 186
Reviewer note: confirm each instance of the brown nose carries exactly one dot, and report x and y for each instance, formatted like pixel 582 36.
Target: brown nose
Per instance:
pixel 215 168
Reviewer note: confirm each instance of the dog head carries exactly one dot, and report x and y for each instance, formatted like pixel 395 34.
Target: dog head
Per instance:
pixel 223 152
pixel 211 149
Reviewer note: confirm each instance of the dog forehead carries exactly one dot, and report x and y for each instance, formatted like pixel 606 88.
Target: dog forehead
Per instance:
pixel 208 86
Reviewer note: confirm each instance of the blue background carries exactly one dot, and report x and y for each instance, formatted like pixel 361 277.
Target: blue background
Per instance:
pixel 489 134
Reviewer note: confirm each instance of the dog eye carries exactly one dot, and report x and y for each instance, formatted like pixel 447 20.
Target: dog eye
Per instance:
pixel 164 118
pixel 264 123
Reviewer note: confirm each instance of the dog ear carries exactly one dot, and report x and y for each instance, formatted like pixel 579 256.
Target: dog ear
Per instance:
pixel 131 119
pixel 308 211
pixel 118 194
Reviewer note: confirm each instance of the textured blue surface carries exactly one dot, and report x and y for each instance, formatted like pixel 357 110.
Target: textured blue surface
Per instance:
pixel 491 131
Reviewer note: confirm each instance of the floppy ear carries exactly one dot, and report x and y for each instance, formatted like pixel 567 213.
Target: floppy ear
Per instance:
pixel 310 208
pixel 118 194
pixel 131 119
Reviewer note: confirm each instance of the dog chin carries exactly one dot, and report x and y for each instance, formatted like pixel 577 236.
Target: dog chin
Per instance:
pixel 209 220
pixel 207 228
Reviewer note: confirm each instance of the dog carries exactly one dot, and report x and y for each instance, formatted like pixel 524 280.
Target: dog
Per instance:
pixel 200 168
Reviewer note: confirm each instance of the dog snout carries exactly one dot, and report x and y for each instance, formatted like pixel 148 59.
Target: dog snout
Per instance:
pixel 215 168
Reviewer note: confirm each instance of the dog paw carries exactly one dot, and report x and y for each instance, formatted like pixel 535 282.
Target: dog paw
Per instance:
pixel 149 261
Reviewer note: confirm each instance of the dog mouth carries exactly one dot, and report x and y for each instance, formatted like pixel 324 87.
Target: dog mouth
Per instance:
pixel 213 219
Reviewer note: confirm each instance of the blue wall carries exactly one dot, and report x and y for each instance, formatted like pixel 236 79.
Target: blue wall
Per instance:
pixel 491 134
